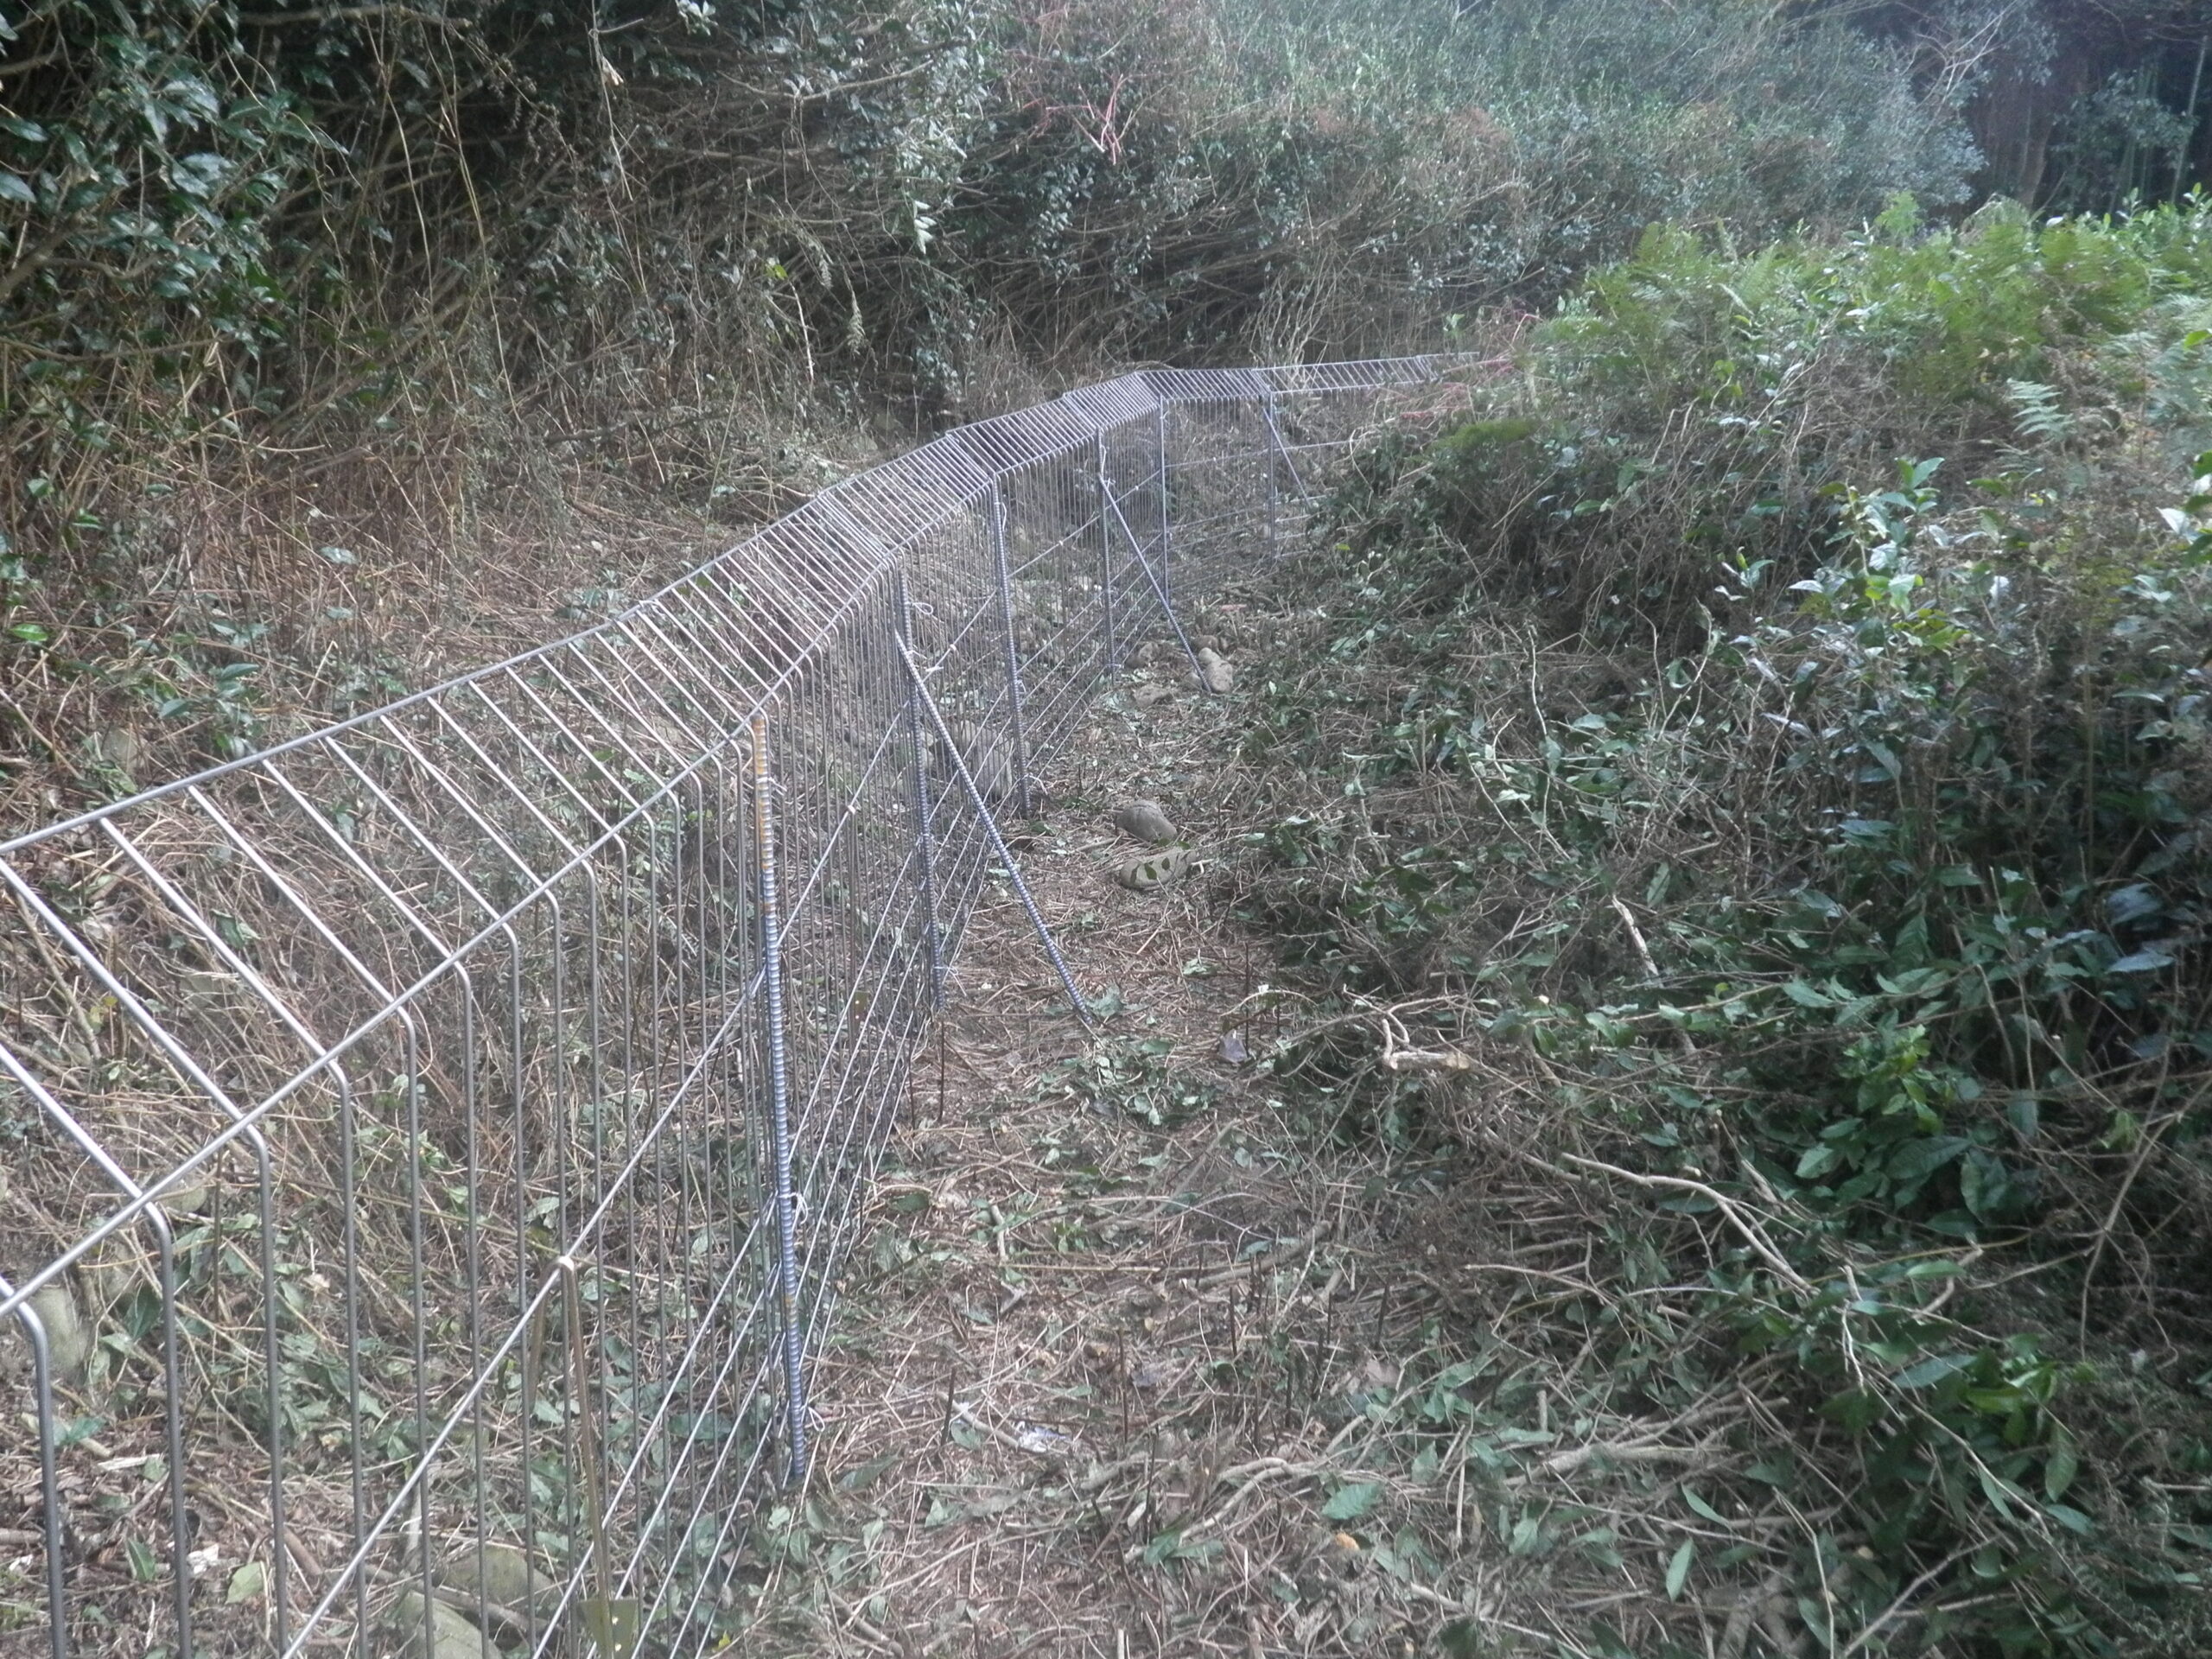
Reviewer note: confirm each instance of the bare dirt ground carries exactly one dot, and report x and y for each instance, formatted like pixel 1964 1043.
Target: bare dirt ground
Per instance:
pixel 1130 1361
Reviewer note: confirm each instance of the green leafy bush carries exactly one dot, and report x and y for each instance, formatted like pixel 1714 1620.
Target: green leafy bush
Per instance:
pixel 1807 841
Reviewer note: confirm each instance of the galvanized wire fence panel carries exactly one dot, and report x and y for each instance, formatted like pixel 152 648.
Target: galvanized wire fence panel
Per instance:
pixel 428 1145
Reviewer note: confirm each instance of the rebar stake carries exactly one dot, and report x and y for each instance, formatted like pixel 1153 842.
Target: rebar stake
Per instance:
pixel 779 1125
pixel 925 814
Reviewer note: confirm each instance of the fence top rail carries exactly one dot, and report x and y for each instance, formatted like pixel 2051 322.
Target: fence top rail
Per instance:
pixel 1112 403
pixel 868 517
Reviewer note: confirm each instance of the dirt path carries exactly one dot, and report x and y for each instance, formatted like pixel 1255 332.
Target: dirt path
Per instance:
pixel 1118 1369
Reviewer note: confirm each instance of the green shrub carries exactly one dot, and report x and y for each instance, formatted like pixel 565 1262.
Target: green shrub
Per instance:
pixel 1808 843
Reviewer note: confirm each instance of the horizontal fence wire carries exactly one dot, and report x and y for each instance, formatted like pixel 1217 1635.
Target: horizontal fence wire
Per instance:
pixel 426 1145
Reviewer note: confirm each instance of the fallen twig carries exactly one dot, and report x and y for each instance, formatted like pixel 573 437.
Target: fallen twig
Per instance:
pixel 1750 1229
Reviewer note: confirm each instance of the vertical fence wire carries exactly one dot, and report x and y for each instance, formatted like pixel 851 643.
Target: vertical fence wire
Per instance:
pixel 427 1144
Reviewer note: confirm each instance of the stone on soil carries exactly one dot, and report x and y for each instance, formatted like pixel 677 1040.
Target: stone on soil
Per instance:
pixel 1153 870
pixel 452 1633
pixel 509 1581
pixel 1144 821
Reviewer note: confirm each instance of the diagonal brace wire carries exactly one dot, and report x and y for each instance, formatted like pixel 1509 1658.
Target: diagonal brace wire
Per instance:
pixel 1158 592
pixel 991 829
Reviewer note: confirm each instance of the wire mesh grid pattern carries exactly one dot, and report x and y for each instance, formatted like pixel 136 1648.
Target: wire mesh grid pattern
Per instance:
pixel 427 1145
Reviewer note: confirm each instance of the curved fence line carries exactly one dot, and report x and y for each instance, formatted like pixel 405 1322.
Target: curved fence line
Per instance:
pixel 427 1145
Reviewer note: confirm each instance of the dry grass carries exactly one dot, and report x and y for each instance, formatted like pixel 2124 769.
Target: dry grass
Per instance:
pixel 1060 1310
pixel 1105 1386
pixel 266 599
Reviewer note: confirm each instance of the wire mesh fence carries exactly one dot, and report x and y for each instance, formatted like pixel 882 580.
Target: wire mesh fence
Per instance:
pixel 426 1145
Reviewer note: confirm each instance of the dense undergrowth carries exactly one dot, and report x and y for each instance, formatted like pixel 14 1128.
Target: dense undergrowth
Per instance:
pixel 326 330
pixel 1752 777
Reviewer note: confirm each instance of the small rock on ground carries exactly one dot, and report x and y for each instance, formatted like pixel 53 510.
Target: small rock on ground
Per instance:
pixel 1153 870
pixel 507 1578
pixel 1145 822
pixel 453 1635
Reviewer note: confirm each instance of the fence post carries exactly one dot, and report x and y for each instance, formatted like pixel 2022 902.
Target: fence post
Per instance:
pixel 1016 723
pixel 1268 415
pixel 1159 483
pixel 57 1590
pixel 779 1125
pixel 924 814
pixel 1106 551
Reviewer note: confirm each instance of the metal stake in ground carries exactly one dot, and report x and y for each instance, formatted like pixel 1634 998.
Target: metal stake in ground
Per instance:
pixel 611 1623
pixel 924 814
pixel 780 1124
pixel 1106 553
pixel 996 508
pixel 928 705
